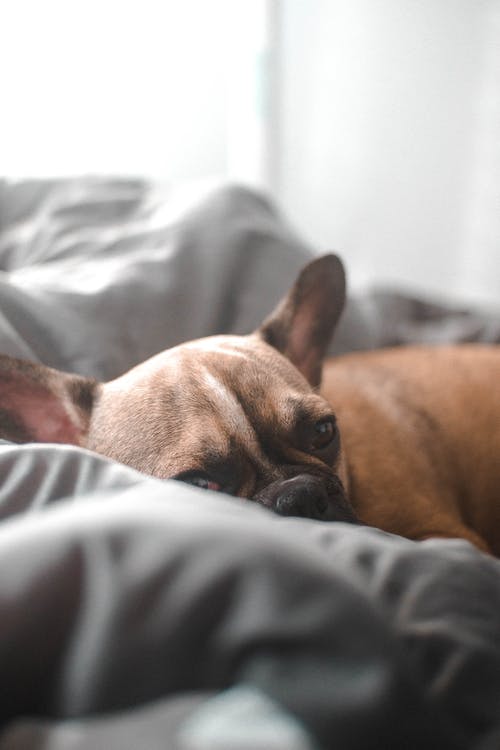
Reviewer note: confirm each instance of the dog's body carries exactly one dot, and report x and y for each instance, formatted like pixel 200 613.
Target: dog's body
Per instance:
pixel 421 431
pixel 419 453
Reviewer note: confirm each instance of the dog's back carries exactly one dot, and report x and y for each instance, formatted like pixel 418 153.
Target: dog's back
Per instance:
pixel 421 431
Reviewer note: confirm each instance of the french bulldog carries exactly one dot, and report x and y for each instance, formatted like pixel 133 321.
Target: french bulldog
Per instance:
pixel 404 439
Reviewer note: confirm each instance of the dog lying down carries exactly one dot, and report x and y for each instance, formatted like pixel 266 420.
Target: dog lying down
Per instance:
pixel 405 439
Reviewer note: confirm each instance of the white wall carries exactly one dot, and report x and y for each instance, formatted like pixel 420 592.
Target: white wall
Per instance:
pixel 121 86
pixel 390 132
pixel 374 123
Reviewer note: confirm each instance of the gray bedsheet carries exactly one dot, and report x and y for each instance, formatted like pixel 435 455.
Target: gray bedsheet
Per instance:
pixel 150 614
pixel 98 274
pixel 143 614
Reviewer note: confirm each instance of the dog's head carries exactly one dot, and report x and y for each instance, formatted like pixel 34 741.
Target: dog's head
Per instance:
pixel 238 414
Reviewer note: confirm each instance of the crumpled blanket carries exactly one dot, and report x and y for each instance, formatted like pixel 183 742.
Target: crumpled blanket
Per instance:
pixel 98 274
pixel 152 614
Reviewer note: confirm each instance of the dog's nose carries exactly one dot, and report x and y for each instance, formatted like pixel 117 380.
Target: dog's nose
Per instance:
pixel 302 496
pixel 321 498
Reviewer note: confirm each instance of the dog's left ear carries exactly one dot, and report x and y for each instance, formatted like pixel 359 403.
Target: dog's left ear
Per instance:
pixel 302 325
pixel 39 404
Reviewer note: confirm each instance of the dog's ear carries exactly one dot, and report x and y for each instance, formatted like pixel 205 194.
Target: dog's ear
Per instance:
pixel 302 325
pixel 40 404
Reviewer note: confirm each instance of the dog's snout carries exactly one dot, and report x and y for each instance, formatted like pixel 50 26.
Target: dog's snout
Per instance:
pixel 302 496
pixel 321 498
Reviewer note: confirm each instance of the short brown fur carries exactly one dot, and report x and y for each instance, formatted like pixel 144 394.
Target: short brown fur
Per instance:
pixel 421 432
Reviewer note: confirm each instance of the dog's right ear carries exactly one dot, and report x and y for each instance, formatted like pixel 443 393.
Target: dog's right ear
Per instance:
pixel 302 325
pixel 39 404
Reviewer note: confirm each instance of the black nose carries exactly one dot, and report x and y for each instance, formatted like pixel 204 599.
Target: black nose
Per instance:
pixel 320 497
pixel 302 496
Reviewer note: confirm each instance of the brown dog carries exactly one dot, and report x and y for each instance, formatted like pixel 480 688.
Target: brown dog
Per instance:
pixel 420 427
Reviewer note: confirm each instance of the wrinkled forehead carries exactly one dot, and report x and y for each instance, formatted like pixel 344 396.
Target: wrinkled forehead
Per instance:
pixel 234 395
pixel 231 373
pixel 216 396
pixel 215 371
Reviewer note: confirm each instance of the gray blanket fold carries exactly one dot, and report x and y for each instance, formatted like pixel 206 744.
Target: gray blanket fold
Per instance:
pixel 154 591
pixel 98 274
pixel 95 286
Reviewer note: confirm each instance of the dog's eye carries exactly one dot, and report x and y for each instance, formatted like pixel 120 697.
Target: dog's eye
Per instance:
pixel 324 431
pixel 200 480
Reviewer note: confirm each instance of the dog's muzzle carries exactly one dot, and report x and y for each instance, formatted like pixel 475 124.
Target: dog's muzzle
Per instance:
pixel 308 496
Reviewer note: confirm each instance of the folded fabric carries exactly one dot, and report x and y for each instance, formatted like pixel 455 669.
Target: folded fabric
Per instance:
pixel 97 274
pixel 100 274
pixel 139 613
pixel 118 598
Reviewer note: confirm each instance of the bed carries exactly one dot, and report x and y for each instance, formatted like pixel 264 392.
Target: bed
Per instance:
pixel 136 613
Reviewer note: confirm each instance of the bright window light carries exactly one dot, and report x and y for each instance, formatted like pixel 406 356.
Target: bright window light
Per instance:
pixel 130 86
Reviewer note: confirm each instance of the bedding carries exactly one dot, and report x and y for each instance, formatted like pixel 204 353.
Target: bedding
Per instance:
pixel 139 613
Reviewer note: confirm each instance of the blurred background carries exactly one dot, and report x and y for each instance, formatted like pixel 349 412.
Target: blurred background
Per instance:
pixel 374 124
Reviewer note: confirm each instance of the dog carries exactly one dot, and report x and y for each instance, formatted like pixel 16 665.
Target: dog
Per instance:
pixel 404 439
